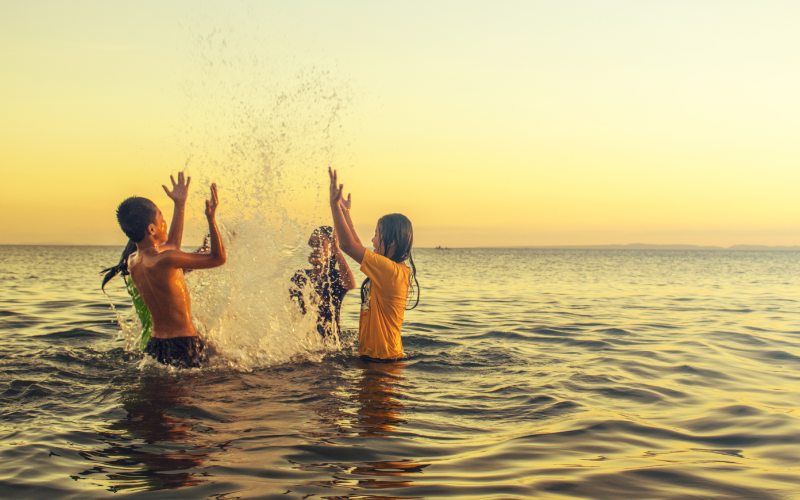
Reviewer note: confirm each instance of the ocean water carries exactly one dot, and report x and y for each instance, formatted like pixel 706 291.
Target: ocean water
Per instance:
pixel 530 374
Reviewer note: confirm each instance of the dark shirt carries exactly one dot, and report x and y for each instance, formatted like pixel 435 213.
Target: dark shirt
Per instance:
pixel 328 296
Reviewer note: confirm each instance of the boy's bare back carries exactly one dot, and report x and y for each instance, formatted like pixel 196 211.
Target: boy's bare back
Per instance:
pixel 164 291
pixel 158 263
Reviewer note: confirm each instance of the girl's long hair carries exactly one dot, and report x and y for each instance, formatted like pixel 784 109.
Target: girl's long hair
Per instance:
pixel 122 267
pixel 396 229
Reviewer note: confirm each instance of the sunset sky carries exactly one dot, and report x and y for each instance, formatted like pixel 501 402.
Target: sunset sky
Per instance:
pixel 487 123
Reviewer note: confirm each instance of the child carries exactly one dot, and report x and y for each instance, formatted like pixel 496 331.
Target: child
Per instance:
pixel 156 269
pixel 329 284
pixel 384 294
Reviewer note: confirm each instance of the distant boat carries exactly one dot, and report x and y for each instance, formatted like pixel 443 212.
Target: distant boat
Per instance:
pixel 441 248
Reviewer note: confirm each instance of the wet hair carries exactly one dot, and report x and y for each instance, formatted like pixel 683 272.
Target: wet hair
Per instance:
pixel 396 229
pixel 134 215
pixel 327 232
pixel 326 276
pixel 122 267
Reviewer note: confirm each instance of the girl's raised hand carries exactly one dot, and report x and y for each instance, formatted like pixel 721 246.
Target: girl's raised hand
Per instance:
pixel 337 190
pixel 346 204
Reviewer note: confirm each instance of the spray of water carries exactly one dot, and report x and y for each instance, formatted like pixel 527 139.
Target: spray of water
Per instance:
pixel 265 131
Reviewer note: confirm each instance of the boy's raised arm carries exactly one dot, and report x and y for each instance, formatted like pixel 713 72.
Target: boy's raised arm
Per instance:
pixel 179 193
pixel 349 243
pixel 183 260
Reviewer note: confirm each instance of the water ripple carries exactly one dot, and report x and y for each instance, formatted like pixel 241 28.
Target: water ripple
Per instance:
pixel 536 374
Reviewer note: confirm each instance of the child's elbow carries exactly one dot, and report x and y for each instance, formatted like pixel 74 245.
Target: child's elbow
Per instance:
pixel 219 259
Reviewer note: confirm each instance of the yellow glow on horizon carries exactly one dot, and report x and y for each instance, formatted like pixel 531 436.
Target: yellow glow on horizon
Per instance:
pixel 518 124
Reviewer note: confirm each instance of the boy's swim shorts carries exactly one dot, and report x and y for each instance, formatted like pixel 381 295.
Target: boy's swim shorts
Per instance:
pixel 181 352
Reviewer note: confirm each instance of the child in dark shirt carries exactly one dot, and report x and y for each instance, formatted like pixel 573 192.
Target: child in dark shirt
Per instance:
pixel 324 285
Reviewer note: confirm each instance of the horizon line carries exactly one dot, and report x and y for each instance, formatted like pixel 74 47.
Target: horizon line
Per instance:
pixel 614 246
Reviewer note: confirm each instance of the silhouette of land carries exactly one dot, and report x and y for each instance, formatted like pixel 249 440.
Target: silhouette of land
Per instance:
pixel 645 246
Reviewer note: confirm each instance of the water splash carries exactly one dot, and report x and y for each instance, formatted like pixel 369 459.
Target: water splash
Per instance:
pixel 265 130
pixel 130 325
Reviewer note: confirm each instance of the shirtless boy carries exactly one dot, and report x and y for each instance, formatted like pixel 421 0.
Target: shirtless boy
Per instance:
pixel 156 268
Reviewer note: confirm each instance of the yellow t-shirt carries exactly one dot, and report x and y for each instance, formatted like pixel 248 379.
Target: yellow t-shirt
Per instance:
pixel 383 307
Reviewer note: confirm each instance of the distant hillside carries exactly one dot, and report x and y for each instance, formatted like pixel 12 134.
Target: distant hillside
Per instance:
pixel 643 246
pixel 793 248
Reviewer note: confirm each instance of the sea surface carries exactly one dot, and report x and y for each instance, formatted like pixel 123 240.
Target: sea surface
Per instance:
pixel 530 374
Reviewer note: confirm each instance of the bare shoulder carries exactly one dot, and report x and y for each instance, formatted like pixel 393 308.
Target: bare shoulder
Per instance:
pixel 167 246
pixel 134 259
pixel 168 257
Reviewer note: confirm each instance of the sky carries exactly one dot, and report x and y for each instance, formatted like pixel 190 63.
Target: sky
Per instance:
pixel 486 123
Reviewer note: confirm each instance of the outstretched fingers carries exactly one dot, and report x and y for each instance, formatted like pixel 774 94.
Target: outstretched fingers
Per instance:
pixel 180 189
pixel 183 179
pixel 335 193
pixel 337 199
pixel 334 178
pixel 212 202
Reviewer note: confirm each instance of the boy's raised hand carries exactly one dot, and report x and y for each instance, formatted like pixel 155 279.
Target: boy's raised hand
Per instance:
pixel 213 203
pixel 337 190
pixel 180 190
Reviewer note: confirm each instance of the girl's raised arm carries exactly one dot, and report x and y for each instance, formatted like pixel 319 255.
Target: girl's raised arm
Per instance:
pixel 348 280
pixel 348 242
pixel 345 206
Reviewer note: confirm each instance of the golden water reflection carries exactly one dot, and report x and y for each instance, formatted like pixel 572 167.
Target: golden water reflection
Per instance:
pixel 378 415
pixel 130 467
pixel 371 406
pixel 377 398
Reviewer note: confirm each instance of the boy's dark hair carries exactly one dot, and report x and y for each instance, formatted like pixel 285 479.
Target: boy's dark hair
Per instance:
pixel 396 229
pixel 134 215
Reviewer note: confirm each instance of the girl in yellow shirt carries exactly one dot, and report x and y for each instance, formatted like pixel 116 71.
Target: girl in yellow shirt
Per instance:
pixel 385 292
